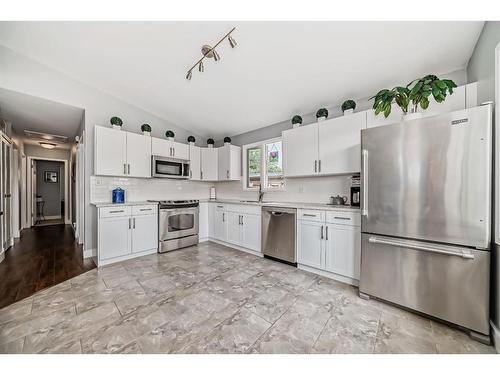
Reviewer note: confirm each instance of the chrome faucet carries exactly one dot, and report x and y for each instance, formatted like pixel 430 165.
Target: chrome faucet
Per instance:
pixel 261 194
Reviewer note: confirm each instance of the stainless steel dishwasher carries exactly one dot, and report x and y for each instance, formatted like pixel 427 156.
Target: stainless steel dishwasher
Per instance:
pixel 278 233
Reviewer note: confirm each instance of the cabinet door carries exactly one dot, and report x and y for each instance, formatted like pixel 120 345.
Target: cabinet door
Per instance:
pixel 209 164
pixel 203 220
pixel 161 147
pixel 234 228
pixel 310 244
pixel 220 228
pixel 180 150
pixel 224 162
pixel 144 233
pixel 194 163
pixel 300 151
pixel 110 152
pixel 250 231
pixel 211 220
pixel 343 250
pixel 340 144
pixel 138 155
pixel 113 237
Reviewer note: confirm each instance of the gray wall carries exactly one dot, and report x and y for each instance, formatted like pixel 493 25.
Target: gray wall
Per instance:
pixel 481 68
pixel 50 192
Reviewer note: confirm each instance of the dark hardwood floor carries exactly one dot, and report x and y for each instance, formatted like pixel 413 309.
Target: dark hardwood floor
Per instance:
pixel 42 257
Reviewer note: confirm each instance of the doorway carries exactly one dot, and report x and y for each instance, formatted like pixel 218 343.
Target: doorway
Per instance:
pixel 48 192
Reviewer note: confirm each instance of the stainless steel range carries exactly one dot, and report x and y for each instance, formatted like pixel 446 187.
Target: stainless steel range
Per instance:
pixel 178 224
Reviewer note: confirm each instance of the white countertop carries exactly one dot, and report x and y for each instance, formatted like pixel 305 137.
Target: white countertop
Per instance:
pixel 310 206
pixel 128 203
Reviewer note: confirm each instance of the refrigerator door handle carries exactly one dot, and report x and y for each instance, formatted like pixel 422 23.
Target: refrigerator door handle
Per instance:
pixel 364 171
pixel 438 249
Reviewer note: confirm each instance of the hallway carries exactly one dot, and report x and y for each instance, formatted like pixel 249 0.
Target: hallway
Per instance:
pixel 42 257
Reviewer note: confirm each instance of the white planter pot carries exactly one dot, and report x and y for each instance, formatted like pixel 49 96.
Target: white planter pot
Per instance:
pixel 170 139
pixel 348 111
pixel 210 146
pixel 295 126
pixel 321 119
pixel 412 116
pixel 117 127
pixel 227 143
pixel 147 134
pixel 191 143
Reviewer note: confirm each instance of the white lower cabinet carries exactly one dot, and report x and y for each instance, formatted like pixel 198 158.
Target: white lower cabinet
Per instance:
pixel 330 246
pixel 126 232
pixel 238 225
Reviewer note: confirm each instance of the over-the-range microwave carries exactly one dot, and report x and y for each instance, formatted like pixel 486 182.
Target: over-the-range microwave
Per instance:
pixel 169 167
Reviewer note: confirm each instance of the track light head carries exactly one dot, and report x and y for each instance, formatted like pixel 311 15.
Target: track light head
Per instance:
pixel 201 68
pixel 216 56
pixel 232 42
pixel 189 75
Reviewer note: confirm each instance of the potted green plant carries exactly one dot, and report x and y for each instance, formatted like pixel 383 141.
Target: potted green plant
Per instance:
pixel 210 143
pixel 170 135
pixel 146 129
pixel 348 106
pixel 322 114
pixel 384 98
pixel 191 140
pixel 227 140
pixel 116 122
pixel 296 121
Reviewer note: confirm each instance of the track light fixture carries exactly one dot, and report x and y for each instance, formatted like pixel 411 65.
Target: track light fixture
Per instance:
pixel 210 52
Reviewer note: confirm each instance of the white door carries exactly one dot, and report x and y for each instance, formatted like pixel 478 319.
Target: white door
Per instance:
pixel 234 228
pixel 114 237
pixel 343 250
pixel 110 152
pixel 310 243
pixel 180 150
pixel 300 151
pixel 144 233
pixel 340 144
pixel 138 155
pixel 194 163
pixel 220 228
pixel 209 164
pixel 250 231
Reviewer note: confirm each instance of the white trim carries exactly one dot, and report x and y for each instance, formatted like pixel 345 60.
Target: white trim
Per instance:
pixel 52 217
pixel 330 275
pixel 496 336
pixel 263 177
pixel 236 247
pixel 101 263
pixel 89 253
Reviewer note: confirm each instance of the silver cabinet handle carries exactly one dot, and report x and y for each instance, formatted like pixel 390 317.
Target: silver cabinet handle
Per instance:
pixel 364 187
pixel 326 233
pixel 227 175
pixel 129 223
pixel 201 175
pixel 342 218
pixel 438 249
pixel 124 168
pixel 220 206
pixel 241 219
pixel 173 151
pixel 145 209
pixel 319 166
pixel 309 215
pixel 315 166
pixel 134 222
pixel 115 212
pixel 190 173
pixel 322 232
pixel 223 217
pixel 128 168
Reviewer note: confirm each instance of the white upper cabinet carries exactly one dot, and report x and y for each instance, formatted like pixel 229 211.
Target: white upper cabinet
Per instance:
pixel 209 164
pixel 372 120
pixel 138 155
pixel 300 151
pixel 229 163
pixel 340 144
pixel 110 152
pixel 169 149
pixel 194 163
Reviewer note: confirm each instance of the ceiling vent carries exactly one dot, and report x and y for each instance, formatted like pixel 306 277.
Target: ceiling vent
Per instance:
pixel 45 137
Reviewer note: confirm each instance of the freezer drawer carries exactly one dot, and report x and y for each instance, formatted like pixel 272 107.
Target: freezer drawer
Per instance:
pixel 447 282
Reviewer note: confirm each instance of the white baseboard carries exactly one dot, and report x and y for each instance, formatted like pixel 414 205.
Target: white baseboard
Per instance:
pixel 253 252
pixel 330 275
pixel 496 336
pixel 89 253
pixel 52 217
pixel 101 263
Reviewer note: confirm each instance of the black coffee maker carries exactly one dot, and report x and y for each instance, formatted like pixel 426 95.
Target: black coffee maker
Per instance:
pixel 355 191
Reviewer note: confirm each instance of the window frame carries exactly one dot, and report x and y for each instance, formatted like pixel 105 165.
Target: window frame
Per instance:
pixel 263 166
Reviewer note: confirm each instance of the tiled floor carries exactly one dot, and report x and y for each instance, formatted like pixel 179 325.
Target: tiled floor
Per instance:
pixel 212 299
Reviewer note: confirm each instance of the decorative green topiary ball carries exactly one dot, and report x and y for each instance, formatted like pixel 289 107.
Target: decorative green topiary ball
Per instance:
pixel 322 112
pixel 169 134
pixel 210 141
pixel 348 104
pixel 227 140
pixel 146 128
pixel 116 121
pixel 191 139
pixel 296 120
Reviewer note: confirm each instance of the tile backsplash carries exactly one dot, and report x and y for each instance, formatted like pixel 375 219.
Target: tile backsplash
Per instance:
pixel 307 190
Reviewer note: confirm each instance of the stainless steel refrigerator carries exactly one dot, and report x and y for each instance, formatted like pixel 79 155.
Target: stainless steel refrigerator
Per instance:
pixel 426 201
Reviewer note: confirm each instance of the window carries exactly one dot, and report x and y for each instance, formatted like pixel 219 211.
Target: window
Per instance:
pixel 264 165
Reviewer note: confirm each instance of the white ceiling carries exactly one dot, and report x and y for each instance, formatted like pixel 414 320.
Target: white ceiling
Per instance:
pixel 277 69
pixel 27 112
